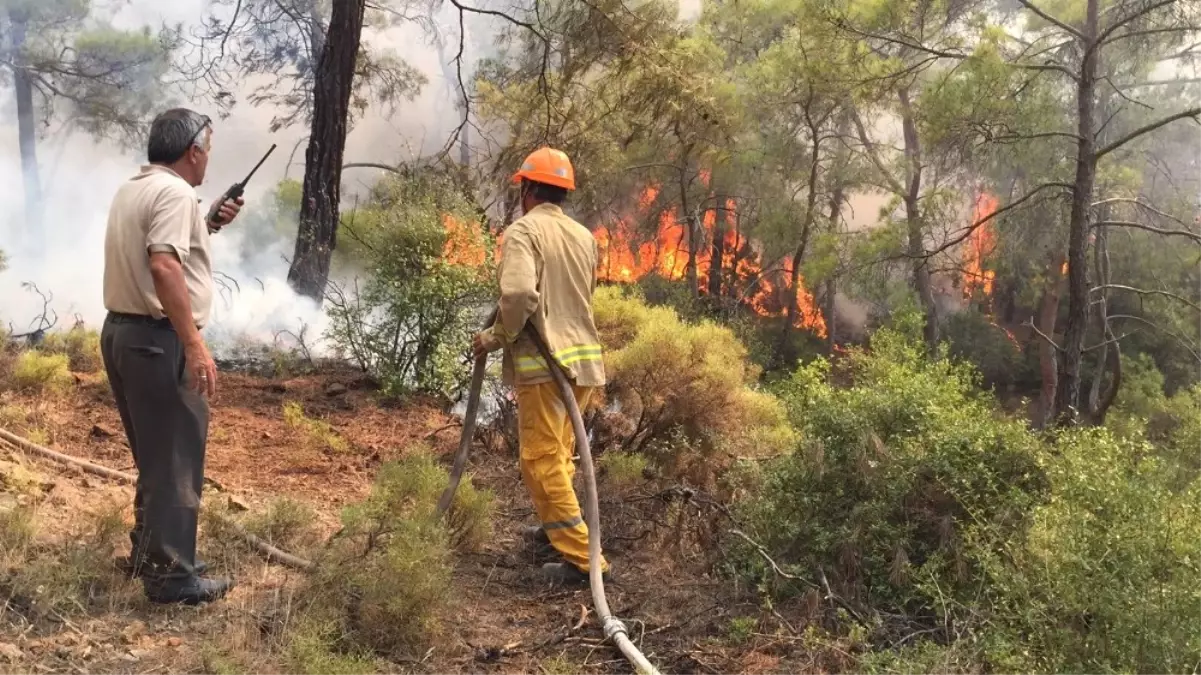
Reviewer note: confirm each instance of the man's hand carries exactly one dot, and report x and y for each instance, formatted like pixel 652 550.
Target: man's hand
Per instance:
pixel 483 343
pixel 228 211
pixel 199 364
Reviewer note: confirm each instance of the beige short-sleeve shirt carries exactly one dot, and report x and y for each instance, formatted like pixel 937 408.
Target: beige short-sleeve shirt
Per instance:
pixel 155 208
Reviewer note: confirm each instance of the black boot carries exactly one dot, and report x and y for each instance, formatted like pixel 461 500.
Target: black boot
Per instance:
pixel 133 570
pixel 191 590
pixel 566 574
pixel 535 536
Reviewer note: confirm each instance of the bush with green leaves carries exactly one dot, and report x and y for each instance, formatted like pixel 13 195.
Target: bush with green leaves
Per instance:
pixel 895 476
pixel 80 345
pixel 1106 580
pixel 686 391
pixel 36 371
pixel 383 583
pixel 996 354
pixel 428 265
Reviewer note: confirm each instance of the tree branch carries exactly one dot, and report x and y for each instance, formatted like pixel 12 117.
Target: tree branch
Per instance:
pixel 1150 228
pixel 1142 11
pixel 1183 343
pixel 1052 20
pixel 1143 291
pixel 1184 114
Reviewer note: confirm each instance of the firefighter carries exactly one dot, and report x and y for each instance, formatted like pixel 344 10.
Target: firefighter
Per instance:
pixel 547 277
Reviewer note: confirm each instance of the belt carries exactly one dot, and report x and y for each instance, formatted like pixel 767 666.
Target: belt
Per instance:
pixel 122 317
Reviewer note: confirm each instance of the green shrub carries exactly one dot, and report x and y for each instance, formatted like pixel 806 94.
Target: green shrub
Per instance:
pixel 384 582
pixel 34 371
pixel 623 467
pixel 317 434
pixel 313 649
pixel 429 267
pixel 895 475
pixel 1000 360
pixel 1107 578
pixel 80 345
pixel 671 379
pixel 286 523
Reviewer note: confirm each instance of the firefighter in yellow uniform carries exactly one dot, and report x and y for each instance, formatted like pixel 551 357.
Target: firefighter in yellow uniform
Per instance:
pixel 547 277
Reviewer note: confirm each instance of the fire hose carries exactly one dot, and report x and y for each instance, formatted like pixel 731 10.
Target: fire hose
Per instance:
pixel 613 628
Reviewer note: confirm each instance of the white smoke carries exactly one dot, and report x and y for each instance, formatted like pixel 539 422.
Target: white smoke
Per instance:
pixel 79 176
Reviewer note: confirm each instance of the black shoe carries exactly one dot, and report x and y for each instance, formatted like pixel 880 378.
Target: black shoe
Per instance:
pixel 535 536
pixel 566 574
pixel 188 591
pixel 127 567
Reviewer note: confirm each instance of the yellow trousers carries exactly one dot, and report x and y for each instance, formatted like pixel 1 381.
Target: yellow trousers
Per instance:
pixel 547 445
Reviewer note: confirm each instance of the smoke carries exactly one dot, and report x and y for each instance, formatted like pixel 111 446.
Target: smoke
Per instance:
pixel 80 174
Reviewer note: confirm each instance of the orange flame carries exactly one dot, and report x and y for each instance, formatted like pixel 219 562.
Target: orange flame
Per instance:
pixel 622 260
pixel 465 242
pixel 978 282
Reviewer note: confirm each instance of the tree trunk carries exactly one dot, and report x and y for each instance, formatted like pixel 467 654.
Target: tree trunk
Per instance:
pixel 1048 359
pixel 913 218
pixel 317 235
pixel 1067 397
pixel 717 250
pixel 794 288
pixel 690 221
pixel 26 133
pixel 836 197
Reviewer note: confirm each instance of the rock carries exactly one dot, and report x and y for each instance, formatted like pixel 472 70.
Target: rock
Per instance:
pixel 101 432
pixel 267 436
pixel 238 504
pixel 174 642
pixel 335 389
pixel 10 651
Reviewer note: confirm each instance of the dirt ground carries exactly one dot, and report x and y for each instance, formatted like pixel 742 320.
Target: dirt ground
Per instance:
pixel 504 620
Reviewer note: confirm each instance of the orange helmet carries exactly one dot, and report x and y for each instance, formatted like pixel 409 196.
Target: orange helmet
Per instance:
pixel 549 166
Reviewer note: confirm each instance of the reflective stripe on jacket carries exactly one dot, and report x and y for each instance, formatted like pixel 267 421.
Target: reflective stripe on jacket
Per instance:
pixel 547 276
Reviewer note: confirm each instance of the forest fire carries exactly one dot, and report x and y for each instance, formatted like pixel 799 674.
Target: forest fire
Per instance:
pixel 465 243
pixel 977 281
pixel 666 254
pixel 623 261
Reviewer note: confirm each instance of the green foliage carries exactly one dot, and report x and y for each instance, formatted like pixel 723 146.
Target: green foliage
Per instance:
pixel 34 371
pixel 384 582
pixel 313 649
pixel 623 468
pixel 80 345
pixel 669 377
pixel 741 628
pixel 1003 365
pixel 286 523
pixel 103 80
pixel 894 476
pixel 1107 571
pixel 428 264
pixel 317 434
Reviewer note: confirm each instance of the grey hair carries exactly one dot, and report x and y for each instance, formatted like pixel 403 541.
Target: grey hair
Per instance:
pixel 173 133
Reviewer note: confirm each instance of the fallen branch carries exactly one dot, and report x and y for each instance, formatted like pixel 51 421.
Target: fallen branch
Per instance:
pixel 271 552
pixel 763 552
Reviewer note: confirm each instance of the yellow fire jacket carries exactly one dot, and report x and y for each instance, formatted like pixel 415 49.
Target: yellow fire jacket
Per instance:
pixel 547 276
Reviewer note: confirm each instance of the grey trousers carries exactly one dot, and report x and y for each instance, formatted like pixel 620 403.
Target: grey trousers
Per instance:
pixel 167 426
